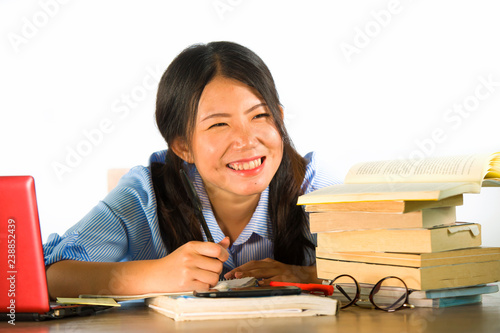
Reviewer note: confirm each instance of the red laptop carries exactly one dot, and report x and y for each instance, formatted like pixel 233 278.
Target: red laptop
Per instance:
pixel 23 283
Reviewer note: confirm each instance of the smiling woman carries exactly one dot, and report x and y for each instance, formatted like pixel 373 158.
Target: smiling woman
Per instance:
pixel 237 151
pixel 218 110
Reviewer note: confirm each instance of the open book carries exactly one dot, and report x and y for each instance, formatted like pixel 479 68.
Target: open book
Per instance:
pixel 433 178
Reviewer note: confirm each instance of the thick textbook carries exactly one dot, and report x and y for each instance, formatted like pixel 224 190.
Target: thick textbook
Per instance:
pixel 438 302
pixel 339 220
pixel 406 180
pixel 446 302
pixel 417 240
pixel 181 308
pixel 455 292
pixel 460 256
pixel 396 206
pixel 420 278
pixel 475 290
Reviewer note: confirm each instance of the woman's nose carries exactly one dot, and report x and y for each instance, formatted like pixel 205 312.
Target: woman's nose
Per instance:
pixel 244 137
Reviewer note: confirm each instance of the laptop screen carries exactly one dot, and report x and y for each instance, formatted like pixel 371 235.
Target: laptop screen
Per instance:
pixel 23 283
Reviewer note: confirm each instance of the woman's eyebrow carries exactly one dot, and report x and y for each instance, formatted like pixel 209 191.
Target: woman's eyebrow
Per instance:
pixel 255 107
pixel 216 115
pixel 227 115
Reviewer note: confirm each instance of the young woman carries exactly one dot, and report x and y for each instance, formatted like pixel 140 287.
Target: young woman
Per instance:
pixel 218 110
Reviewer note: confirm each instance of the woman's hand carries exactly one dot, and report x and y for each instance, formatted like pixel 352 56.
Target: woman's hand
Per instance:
pixel 271 270
pixel 193 266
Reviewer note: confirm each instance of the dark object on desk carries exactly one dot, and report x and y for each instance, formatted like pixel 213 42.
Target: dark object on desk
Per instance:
pixel 23 283
pixel 193 196
pixel 57 312
pixel 249 292
pixel 312 288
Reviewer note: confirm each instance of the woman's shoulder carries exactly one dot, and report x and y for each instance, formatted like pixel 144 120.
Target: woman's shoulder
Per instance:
pixel 140 173
pixel 137 182
pixel 158 157
pixel 317 174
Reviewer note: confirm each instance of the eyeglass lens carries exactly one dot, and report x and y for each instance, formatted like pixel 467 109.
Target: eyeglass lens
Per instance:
pixel 346 290
pixel 389 294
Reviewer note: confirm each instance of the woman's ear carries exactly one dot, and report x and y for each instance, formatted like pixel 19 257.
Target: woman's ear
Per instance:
pixel 181 149
pixel 282 112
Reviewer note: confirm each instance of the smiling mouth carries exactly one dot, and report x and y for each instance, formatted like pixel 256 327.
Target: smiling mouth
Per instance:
pixel 241 166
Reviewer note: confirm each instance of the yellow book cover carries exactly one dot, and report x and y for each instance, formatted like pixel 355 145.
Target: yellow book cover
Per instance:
pixel 396 206
pixel 417 240
pixel 419 278
pixel 338 221
pixel 459 256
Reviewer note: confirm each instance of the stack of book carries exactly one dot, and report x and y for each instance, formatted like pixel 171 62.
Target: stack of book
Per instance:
pixel 389 220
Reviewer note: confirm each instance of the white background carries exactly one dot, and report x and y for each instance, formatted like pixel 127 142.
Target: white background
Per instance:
pixel 359 80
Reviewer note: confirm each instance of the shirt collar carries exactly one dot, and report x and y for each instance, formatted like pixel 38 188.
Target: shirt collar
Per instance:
pixel 260 221
pixel 258 224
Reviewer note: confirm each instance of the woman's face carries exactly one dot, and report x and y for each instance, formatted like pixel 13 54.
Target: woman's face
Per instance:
pixel 236 146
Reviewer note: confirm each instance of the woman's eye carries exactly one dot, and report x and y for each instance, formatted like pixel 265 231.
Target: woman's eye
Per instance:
pixel 261 115
pixel 217 125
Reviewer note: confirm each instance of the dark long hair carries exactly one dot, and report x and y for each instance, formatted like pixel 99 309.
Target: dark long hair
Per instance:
pixel 177 101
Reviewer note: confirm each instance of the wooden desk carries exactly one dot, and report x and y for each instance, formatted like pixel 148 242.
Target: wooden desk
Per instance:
pixel 135 317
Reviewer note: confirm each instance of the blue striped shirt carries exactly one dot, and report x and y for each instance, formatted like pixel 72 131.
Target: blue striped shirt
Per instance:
pixel 124 225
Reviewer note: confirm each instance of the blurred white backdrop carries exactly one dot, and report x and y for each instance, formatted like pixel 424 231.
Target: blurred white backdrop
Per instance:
pixel 359 80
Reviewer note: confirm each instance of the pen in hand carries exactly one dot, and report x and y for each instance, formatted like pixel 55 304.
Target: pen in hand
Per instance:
pixel 196 202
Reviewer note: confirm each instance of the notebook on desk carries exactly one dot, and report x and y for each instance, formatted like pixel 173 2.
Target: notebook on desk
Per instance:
pixel 23 283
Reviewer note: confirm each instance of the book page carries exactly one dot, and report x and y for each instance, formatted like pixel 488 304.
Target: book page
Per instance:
pixel 466 168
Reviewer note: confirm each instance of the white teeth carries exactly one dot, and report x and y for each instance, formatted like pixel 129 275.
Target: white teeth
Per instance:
pixel 246 166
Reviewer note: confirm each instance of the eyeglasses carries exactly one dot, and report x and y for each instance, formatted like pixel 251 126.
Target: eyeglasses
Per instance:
pixel 388 294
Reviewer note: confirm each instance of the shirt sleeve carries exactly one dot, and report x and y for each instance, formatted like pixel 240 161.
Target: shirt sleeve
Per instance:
pixel 317 176
pixel 123 226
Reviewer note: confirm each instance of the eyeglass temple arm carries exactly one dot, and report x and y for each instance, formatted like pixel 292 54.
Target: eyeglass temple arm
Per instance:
pixel 339 288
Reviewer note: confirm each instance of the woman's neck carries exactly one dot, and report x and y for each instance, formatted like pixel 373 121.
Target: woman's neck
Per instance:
pixel 233 212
